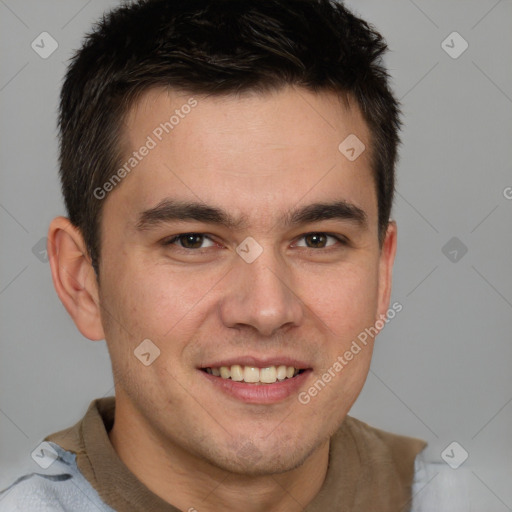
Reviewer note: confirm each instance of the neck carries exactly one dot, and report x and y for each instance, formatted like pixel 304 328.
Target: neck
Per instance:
pixel 188 482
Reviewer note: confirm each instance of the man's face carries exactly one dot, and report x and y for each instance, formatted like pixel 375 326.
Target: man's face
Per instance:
pixel 297 293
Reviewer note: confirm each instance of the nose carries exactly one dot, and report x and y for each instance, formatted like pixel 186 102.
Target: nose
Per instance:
pixel 260 295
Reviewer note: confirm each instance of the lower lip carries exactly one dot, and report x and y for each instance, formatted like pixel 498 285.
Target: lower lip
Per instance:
pixel 259 393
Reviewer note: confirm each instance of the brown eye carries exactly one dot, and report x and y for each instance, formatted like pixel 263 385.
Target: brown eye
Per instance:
pixel 316 240
pixel 191 241
pixel 320 241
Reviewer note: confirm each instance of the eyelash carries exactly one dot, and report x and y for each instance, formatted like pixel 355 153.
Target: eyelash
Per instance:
pixel 171 241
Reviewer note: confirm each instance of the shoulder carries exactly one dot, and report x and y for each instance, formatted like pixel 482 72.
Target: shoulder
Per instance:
pixel 59 487
pixel 437 486
pixel 403 450
pixel 387 459
pixel 382 463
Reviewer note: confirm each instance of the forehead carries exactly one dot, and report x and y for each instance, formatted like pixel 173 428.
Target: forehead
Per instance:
pixel 252 153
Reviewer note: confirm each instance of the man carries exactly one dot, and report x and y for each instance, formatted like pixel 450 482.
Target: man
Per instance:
pixel 228 172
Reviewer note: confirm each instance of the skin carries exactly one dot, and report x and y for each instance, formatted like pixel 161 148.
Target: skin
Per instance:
pixel 256 156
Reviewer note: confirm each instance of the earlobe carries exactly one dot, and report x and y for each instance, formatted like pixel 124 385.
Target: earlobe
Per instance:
pixel 387 258
pixel 74 278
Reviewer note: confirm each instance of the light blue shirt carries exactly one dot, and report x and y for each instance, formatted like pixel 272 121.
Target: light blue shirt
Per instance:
pixel 439 488
pixel 61 487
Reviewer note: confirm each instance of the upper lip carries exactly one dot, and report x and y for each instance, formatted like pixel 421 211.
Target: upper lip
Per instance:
pixel 259 362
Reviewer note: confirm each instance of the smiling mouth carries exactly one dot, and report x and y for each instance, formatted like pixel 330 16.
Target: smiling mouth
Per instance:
pixel 253 374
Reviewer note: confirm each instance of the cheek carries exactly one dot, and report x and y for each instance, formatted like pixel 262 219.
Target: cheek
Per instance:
pixel 155 300
pixel 345 299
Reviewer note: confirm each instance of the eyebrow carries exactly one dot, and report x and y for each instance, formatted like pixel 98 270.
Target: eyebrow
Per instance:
pixel 169 210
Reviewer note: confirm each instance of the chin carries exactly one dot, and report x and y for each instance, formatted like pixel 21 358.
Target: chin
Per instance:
pixel 252 459
pixel 265 466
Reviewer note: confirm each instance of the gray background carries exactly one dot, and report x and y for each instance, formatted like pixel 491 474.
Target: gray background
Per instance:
pixel 441 369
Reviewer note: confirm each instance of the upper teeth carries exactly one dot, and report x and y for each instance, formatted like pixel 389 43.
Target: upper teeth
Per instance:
pixel 252 374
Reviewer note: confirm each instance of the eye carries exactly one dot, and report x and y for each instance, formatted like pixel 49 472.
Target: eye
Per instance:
pixel 191 241
pixel 319 240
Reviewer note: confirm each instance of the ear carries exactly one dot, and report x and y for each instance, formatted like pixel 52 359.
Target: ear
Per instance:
pixel 74 278
pixel 386 260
